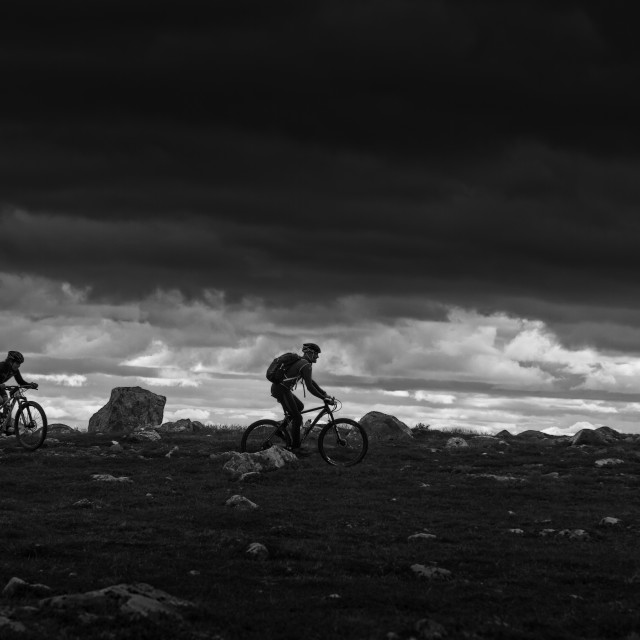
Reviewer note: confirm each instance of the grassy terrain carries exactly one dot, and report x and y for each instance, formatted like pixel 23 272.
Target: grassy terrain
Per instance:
pixel 340 560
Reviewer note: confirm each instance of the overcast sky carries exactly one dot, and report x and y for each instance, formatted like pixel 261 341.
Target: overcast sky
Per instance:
pixel 443 195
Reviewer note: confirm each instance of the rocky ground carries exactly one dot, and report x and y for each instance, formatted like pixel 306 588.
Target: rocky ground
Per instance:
pixel 172 533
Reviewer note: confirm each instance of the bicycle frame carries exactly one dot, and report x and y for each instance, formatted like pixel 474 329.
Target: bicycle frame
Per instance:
pixel 17 398
pixel 324 410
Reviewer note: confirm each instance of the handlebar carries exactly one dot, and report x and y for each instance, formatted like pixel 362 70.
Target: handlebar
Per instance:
pixel 12 388
pixel 332 402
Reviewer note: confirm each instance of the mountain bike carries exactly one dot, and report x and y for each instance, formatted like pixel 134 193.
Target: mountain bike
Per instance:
pixel 30 423
pixel 341 442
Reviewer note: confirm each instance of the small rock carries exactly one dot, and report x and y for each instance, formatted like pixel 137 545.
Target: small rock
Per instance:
pixel 516 531
pixel 194 572
pixel 250 476
pixel 257 550
pixel 145 435
pixel 85 503
pixel 18 588
pixel 498 478
pixel 456 443
pixel 174 450
pixel 547 532
pixel 609 521
pixel 431 573
pixel 241 503
pixel 608 462
pixel 574 534
pixel 416 537
pixel 105 477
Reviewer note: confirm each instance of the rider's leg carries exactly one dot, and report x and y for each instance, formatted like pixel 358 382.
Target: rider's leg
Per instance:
pixel 292 407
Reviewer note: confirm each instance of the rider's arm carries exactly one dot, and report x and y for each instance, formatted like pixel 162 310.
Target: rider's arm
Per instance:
pixel 19 379
pixel 314 389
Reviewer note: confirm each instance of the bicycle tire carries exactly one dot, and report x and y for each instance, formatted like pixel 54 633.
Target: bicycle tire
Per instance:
pixel 262 435
pixel 31 425
pixel 343 442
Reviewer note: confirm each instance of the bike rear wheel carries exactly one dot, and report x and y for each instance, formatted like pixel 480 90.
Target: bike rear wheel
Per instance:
pixel 31 425
pixel 343 443
pixel 263 435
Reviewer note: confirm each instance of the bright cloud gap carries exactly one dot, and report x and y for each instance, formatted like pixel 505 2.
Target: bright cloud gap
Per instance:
pixel 208 356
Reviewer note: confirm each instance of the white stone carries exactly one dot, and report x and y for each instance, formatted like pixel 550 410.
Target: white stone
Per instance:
pixel 498 478
pixel 416 537
pixel 608 462
pixel 85 503
pixel 609 521
pixel 257 550
pixel 105 477
pixel 241 503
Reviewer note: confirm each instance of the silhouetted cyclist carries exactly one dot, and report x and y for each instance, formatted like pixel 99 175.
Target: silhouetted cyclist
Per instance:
pixel 10 368
pixel 292 405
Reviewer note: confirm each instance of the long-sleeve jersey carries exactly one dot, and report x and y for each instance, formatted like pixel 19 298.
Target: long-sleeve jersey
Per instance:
pixel 7 372
pixel 302 370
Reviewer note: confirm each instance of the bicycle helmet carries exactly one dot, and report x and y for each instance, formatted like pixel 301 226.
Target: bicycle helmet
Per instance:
pixel 15 355
pixel 310 346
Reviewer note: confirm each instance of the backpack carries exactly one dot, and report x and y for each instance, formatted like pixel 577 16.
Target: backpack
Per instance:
pixel 278 368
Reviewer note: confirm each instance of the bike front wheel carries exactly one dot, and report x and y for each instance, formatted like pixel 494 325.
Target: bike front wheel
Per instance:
pixel 31 425
pixel 263 435
pixel 343 442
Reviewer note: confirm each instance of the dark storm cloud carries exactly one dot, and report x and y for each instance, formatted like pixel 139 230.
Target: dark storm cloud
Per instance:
pixel 479 154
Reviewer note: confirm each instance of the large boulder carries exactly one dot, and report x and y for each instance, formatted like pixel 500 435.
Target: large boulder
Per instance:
pixel 381 426
pixel 609 434
pixel 532 434
pixel 588 436
pixel 128 409
pixel 59 429
pixel 183 425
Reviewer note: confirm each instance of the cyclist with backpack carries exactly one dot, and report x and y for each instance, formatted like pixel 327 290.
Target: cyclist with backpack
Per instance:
pixel 285 372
